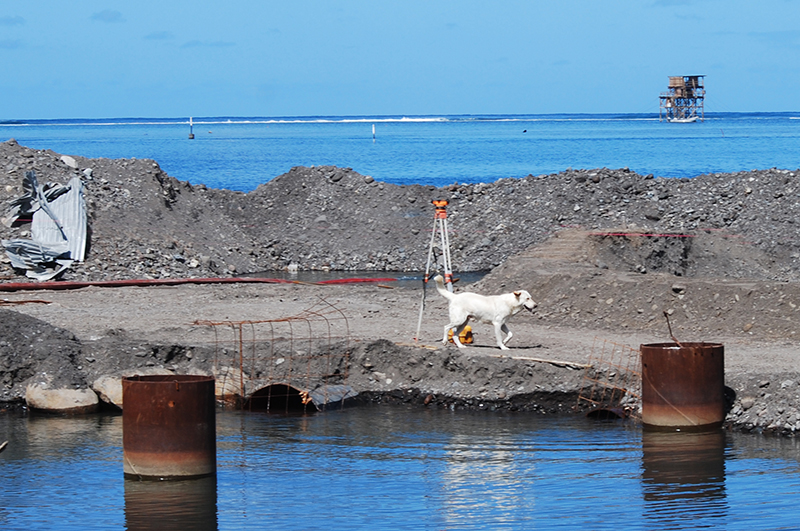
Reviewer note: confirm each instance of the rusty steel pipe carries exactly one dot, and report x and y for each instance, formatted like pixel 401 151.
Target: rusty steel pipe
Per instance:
pixel 683 385
pixel 168 426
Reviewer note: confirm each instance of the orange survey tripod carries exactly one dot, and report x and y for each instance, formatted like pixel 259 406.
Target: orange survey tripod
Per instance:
pixel 440 225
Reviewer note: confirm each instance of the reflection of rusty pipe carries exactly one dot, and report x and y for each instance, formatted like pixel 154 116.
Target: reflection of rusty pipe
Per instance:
pixel 683 385
pixel 685 470
pixel 190 504
pixel 168 426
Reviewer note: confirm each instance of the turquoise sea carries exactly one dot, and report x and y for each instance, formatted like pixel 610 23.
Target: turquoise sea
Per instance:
pixel 240 153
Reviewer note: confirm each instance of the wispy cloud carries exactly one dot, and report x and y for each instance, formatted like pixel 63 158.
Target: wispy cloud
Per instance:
pixel 159 36
pixel 10 44
pixel 207 44
pixel 670 3
pixel 689 17
pixel 108 16
pixel 12 21
pixel 785 38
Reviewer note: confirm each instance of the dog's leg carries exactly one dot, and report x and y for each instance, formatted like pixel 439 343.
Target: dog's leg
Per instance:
pixel 457 335
pixel 447 328
pixel 505 329
pixel 456 331
pixel 498 327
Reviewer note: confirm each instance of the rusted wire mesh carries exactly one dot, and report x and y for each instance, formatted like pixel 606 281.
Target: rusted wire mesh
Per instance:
pixel 612 381
pixel 263 363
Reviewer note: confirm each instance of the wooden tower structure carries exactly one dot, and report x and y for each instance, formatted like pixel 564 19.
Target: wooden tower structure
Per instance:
pixel 683 101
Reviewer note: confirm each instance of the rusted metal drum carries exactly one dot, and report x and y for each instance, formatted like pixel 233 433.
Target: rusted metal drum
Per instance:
pixel 168 426
pixel 683 385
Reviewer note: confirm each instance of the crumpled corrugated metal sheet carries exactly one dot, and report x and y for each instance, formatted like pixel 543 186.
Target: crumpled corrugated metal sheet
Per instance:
pixel 58 228
pixel 31 199
pixel 65 221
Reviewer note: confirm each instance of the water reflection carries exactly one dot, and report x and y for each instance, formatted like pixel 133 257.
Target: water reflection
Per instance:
pixel 404 468
pixel 487 476
pixel 189 504
pixel 683 477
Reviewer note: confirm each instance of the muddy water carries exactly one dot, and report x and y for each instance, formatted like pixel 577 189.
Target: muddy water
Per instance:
pixel 399 468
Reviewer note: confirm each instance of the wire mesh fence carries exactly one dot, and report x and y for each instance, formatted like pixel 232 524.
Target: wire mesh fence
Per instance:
pixel 289 363
pixel 612 382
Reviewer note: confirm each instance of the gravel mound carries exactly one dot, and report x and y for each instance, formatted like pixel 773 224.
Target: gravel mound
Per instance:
pixel 146 224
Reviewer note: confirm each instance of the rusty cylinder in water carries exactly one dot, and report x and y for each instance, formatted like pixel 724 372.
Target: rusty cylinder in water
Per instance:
pixel 683 385
pixel 168 426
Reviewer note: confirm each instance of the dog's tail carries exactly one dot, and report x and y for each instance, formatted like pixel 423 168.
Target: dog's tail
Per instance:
pixel 440 287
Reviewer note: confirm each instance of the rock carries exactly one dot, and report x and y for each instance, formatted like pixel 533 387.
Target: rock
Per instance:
pixel 748 402
pixel 109 390
pixel 227 383
pixel 679 288
pixel 69 161
pixel 60 400
pixel 109 387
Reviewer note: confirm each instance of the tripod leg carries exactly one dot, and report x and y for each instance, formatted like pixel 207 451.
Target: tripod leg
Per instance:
pixel 448 273
pixel 425 280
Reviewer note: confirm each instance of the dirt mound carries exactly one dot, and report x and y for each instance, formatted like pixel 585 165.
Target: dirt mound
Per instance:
pixel 146 224
pixel 32 350
pixel 627 281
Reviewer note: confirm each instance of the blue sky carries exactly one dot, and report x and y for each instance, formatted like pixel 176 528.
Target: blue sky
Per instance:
pixel 175 58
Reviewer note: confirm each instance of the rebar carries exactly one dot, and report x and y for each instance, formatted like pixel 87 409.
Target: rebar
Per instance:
pixel 302 355
pixel 613 378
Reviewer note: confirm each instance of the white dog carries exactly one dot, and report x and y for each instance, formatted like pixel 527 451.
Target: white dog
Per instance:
pixel 496 310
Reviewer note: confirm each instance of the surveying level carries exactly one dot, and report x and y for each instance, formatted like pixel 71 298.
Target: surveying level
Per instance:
pixel 440 225
pixel 441 208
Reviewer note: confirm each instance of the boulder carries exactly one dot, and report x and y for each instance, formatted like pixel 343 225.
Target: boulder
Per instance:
pixel 227 385
pixel 109 387
pixel 39 396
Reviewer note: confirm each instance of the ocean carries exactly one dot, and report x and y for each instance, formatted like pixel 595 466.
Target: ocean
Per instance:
pixel 239 153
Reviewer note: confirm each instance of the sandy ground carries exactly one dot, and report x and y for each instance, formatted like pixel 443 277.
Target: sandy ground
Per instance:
pixel 168 315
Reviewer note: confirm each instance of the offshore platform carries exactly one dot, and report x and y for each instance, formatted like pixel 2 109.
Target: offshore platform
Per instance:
pixel 683 101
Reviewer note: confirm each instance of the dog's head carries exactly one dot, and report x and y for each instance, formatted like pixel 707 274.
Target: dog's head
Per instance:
pixel 524 298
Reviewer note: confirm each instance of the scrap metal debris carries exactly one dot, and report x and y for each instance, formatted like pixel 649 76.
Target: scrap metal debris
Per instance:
pixel 58 227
